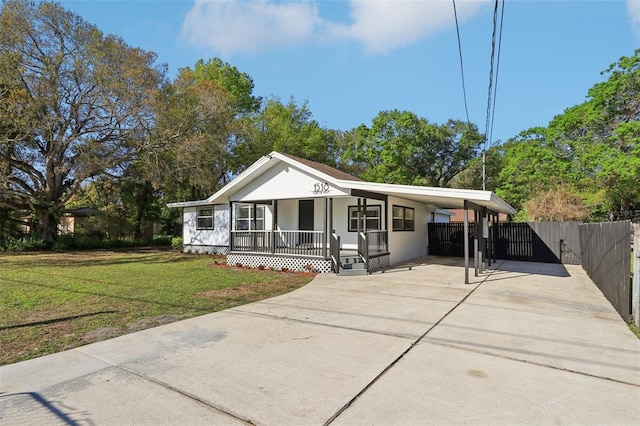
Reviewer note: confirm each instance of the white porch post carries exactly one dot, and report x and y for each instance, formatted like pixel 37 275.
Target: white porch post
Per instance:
pixel 230 225
pixel 331 215
pixel 274 223
pixel 364 215
pixel 325 226
pixel 359 215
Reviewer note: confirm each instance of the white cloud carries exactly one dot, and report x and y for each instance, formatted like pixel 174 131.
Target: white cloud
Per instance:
pixel 229 26
pixel 249 26
pixel 385 25
pixel 633 8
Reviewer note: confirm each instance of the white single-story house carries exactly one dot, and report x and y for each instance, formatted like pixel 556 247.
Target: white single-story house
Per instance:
pixel 285 212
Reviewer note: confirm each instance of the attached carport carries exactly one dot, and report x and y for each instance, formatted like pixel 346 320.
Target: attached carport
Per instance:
pixel 485 205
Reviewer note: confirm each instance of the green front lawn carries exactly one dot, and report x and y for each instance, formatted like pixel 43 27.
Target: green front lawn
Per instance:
pixel 55 301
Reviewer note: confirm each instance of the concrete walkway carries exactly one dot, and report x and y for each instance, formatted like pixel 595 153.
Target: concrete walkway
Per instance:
pixel 523 344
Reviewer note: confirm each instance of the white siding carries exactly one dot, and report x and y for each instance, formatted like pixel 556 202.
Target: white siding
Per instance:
pixel 407 245
pixel 287 215
pixel 284 182
pixel 218 236
pixel 349 240
pixel 289 210
pixel 441 217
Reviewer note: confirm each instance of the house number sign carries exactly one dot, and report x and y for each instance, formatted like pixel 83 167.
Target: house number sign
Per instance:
pixel 320 188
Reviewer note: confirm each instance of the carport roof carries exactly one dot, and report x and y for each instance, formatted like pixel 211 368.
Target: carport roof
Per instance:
pixel 447 198
pixel 439 197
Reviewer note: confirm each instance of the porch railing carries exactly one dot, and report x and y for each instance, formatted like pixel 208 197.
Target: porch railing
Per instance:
pixel 363 249
pixel 377 242
pixel 372 244
pixel 251 241
pixel 335 252
pixel 307 243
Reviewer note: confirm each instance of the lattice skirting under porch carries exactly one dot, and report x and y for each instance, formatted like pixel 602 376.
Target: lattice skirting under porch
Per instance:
pixel 379 263
pixel 189 248
pixel 279 263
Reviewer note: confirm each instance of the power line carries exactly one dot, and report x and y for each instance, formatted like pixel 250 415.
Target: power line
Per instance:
pixel 490 98
pixel 495 91
pixel 490 91
pixel 464 90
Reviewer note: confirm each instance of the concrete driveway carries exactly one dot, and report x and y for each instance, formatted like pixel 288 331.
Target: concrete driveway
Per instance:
pixel 525 343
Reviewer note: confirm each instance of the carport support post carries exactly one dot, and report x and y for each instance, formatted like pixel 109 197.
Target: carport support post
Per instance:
pixel 483 241
pixel 475 243
pixel 494 238
pixel 488 245
pixel 466 242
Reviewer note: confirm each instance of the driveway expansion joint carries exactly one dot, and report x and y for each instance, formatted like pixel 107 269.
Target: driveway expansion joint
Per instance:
pixel 173 389
pixel 341 327
pixel 406 351
pixel 529 362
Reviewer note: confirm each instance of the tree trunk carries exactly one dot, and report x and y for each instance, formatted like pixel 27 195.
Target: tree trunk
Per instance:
pixel 47 226
pixel 142 205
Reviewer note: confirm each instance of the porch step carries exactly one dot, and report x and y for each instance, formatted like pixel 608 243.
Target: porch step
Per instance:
pixel 352 272
pixel 353 268
pixel 350 260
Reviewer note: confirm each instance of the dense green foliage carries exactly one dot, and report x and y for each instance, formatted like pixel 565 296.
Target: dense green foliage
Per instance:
pixel 78 242
pixel 591 151
pixel 87 121
pixel 401 147
pixel 288 128
pixel 74 104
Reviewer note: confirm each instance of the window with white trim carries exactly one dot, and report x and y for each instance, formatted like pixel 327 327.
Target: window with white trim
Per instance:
pixel 245 218
pixel 205 217
pixel 404 218
pixel 373 218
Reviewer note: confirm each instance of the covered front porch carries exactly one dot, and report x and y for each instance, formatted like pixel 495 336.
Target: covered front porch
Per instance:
pixel 321 234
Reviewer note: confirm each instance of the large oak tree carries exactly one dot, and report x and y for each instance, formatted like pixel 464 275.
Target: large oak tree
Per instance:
pixel 74 104
pixel 402 148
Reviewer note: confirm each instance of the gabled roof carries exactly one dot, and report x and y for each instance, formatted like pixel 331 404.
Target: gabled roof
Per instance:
pixel 438 197
pixel 323 168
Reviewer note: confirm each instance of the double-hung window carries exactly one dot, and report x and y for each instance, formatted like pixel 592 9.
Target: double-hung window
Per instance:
pixel 403 218
pixel 373 218
pixel 248 219
pixel 205 217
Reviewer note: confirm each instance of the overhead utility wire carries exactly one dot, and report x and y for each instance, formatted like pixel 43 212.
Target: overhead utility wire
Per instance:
pixel 464 90
pixel 489 97
pixel 490 92
pixel 495 90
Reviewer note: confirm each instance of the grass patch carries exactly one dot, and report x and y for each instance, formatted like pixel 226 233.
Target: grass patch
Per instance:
pixel 51 302
pixel 635 329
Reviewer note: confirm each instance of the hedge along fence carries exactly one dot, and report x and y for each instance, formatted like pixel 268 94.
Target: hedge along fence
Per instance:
pixel 605 256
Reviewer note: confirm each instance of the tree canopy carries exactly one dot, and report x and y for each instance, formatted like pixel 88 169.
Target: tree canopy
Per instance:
pixel 86 118
pixel 74 104
pixel 286 127
pixel 591 151
pixel 401 147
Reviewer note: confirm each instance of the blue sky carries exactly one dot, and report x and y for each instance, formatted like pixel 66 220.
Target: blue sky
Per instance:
pixel 352 59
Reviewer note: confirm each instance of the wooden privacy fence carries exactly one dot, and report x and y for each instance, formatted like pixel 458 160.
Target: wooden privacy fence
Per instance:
pixel 447 239
pixel 550 242
pixel 603 250
pixel 605 255
pixel 635 309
